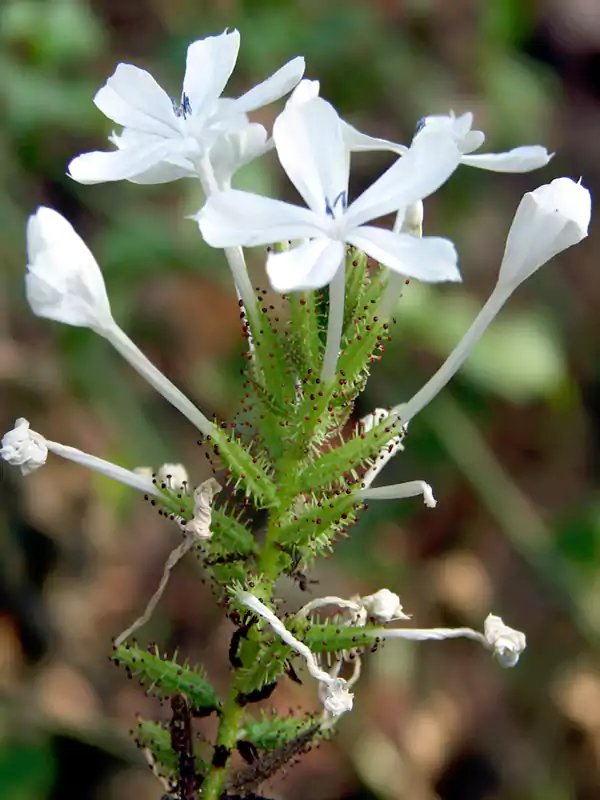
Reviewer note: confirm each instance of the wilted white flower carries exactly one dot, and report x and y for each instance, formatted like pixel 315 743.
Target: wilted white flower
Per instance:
pixel 28 450
pixel 507 643
pixel 548 220
pixel 163 140
pixel 336 697
pixel 333 691
pixel 63 280
pixel 383 606
pixel 199 525
pixel 22 447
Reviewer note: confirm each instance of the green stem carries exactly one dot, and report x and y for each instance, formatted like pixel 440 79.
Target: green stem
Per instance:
pixel 227 736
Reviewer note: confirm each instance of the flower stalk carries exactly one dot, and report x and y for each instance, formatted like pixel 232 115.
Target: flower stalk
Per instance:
pixel 296 452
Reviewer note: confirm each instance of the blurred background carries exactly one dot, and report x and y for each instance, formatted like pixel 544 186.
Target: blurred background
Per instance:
pixel 511 448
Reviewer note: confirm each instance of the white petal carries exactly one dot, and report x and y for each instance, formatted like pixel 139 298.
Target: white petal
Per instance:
pixel 458 127
pixel 232 150
pixel 132 98
pixel 428 163
pixel 311 149
pixel 240 218
pixel 128 163
pixel 165 171
pixel 306 90
pixel 279 84
pixel 209 64
pixel 63 280
pixel 430 259
pixel 309 266
pixel 520 159
pixel 358 142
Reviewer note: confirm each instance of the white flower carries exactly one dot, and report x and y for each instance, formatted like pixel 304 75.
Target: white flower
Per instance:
pixel 383 606
pixel 63 281
pixel 548 220
pixel 507 643
pixel 310 146
pixel 28 450
pixel 173 476
pixel 163 141
pixel 199 525
pixel 520 159
pixel 22 448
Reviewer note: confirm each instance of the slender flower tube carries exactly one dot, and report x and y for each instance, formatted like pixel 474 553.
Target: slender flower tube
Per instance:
pixel 387 451
pixel 64 283
pixel 548 220
pixel 334 692
pixel 27 449
pixel 399 491
pixel 162 140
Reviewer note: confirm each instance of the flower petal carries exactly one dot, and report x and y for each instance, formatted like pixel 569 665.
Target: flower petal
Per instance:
pixel 127 163
pixel 358 142
pixel 305 91
pixel 520 159
pixel 428 163
pixel 131 97
pixel 209 64
pixel 279 84
pixel 458 127
pixel 232 150
pixel 430 259
pixel 309 266
pixel 311 149
pixel 241 218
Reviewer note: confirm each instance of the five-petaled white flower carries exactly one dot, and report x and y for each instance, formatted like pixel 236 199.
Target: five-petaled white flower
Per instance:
pixel 310 144
pixel 519 159
pixel 162 140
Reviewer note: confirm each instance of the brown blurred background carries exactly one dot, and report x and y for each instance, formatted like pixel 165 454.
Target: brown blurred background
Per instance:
pixel 511 448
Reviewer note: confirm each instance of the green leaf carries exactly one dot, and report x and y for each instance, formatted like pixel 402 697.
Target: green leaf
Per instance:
pixel 165 676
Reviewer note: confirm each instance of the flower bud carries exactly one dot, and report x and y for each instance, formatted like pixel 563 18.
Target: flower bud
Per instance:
pixel 63 280
pixel 174 476
pixel 21 449
pixel 548 220
pixel 507 643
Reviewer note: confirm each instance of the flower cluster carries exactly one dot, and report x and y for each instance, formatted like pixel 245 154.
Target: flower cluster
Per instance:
pixel 341 276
